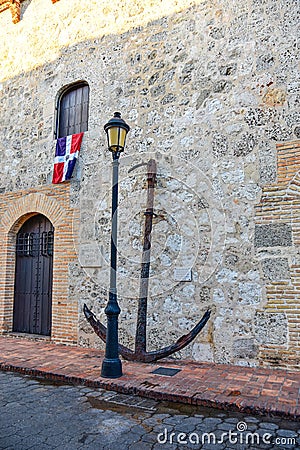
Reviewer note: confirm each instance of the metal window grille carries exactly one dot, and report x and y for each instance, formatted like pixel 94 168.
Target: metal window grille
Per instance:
pixel 32 244
pixel 25 244
pixel 47 241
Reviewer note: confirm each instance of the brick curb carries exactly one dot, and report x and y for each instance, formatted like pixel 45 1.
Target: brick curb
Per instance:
pixel 241 406
pixel 258 391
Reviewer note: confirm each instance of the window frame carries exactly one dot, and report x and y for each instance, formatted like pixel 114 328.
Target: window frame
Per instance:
pixel 64 92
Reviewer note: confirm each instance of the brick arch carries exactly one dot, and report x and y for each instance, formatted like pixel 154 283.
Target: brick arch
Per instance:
pixel 54 203
pixel 30 204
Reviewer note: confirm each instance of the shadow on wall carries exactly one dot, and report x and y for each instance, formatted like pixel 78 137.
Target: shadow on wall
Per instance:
pixel 44 30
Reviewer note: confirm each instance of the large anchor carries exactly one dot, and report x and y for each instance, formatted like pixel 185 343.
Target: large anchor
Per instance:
pixel 140 353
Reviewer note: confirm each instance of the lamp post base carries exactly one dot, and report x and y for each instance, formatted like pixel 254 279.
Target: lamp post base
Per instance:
pixel 111 368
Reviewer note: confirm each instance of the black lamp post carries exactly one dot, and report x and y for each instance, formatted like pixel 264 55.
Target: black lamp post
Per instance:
pixel 116 130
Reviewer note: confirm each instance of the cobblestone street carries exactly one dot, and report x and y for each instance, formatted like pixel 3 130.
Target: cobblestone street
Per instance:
pixel 39 415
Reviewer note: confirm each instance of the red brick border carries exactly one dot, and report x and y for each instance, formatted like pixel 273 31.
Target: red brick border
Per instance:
pixel 280 203
pixel 15 208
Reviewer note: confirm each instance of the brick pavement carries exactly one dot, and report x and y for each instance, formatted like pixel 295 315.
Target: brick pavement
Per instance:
pixel 250 390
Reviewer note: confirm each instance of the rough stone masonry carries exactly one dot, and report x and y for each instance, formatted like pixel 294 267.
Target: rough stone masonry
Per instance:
pixel 211 92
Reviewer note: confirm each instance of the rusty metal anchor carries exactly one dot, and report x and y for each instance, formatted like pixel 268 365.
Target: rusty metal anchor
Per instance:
pixel 140 353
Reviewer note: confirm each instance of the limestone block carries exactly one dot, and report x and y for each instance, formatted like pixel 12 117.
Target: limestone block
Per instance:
pixel 273 235
pixel 276 269
pixel 249 293
pixel 244 348
pixel 203 352
pixel 271 328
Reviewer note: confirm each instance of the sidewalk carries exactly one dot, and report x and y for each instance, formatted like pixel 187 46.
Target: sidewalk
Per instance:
pixel 250 390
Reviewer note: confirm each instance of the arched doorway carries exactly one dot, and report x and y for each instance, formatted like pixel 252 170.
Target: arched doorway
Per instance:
pixel 33 277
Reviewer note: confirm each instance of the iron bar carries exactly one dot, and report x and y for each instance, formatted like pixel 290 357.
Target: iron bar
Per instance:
pixel 111 365
pixel 141 331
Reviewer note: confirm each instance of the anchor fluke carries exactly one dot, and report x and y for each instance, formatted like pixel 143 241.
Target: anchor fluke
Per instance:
pixel 182 342
pixel 144 356
pixel 100 330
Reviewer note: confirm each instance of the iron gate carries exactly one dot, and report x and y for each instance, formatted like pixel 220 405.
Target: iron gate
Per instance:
pixel 33 277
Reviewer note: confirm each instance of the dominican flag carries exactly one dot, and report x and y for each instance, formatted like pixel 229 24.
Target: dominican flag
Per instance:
pixel 66 155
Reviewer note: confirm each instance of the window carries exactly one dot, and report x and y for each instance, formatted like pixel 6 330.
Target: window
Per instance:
pixel 73 109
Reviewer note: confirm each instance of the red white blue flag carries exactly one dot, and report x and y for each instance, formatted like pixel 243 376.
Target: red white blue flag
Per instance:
pixel 66 155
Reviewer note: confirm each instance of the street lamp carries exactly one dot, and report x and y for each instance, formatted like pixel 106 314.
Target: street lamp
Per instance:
pixel 116 130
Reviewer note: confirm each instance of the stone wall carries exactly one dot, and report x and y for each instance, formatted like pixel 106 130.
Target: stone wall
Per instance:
pixel 209 89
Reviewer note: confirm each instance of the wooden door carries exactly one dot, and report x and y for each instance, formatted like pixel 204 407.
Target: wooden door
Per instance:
pixel 33 277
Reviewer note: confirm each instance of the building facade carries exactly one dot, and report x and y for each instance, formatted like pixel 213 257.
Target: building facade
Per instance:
pixel 210 90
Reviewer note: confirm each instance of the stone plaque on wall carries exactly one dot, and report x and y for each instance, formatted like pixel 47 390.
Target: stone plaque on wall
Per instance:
pixel 90 255
pixel 182 274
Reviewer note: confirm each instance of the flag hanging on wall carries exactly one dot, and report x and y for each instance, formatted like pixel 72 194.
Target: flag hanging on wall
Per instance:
pixel 66 155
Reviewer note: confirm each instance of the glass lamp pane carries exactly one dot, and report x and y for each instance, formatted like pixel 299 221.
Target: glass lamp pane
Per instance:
pixel 113 137
pixel 122 137
pixel 116 138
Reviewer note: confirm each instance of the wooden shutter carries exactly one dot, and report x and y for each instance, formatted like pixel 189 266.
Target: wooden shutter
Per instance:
pixel 73 111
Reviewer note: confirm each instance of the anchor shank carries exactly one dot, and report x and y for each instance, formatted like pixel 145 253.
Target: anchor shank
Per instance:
pixel 141 329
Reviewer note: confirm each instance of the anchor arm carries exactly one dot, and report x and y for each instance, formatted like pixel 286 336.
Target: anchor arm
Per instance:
pixel 97 326
pixel 144 356
pixel 182 342
pixel 100 330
